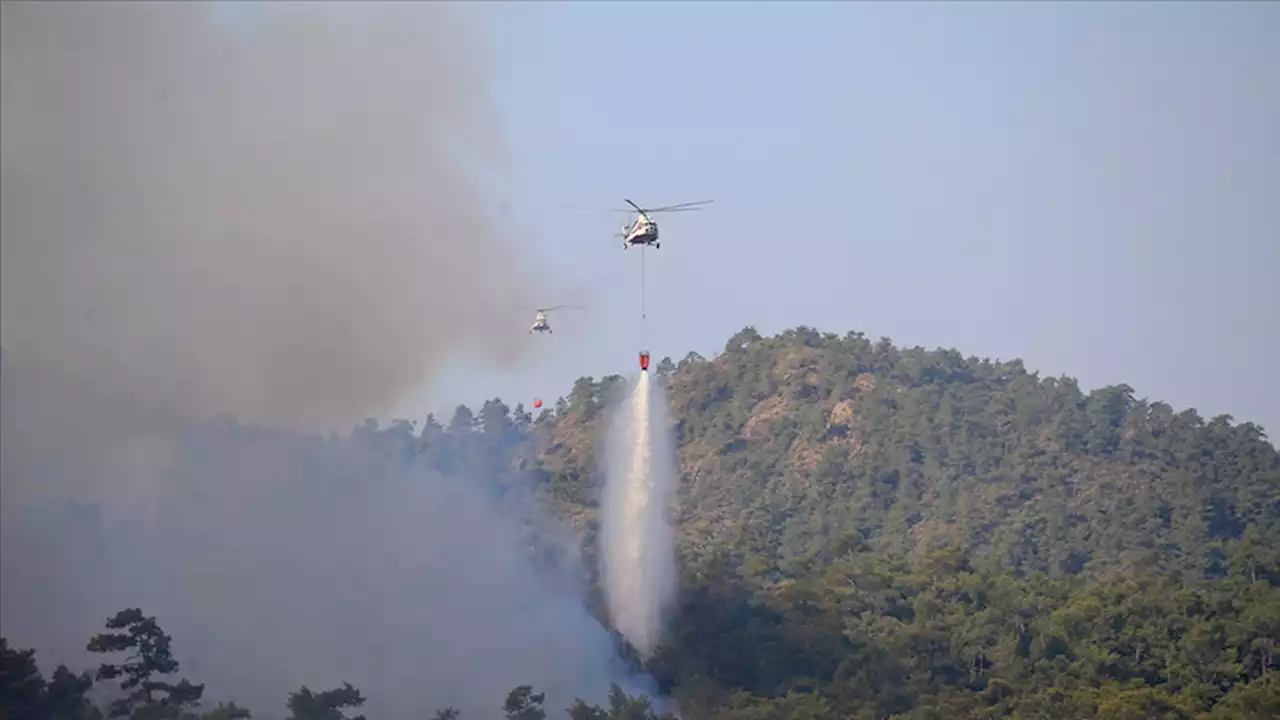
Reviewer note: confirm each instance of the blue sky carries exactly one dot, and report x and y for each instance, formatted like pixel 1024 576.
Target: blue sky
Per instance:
pixel 1092 187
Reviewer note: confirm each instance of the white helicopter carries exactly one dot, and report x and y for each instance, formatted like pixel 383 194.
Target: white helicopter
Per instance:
pixel 540 322
pixel 644 231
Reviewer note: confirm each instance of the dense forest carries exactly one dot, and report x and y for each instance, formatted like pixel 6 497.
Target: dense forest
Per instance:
pixel 867 531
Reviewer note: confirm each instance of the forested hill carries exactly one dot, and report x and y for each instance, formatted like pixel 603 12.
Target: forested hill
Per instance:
pixel 891 530
pixel 868 532
pixel 795 447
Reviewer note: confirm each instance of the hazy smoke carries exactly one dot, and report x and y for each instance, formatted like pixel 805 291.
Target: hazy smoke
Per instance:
pixel 270 216
pixel 637 550
pixel 277 561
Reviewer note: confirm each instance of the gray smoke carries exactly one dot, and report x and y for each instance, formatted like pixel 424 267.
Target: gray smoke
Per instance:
pixel 277 561
pixel 275 219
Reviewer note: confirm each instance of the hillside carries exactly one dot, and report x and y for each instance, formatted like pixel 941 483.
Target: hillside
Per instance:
pixel 868 531
pixel 799 444
pixel 836 491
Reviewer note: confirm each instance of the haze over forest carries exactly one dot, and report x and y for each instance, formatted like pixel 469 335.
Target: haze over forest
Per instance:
pixel 226 244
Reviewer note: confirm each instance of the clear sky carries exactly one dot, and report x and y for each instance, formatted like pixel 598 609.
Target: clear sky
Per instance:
pixel 1092 187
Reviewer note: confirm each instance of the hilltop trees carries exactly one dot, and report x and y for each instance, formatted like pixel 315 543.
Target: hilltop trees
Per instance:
pixel 24 687
pixel 24 692
pixel 326 705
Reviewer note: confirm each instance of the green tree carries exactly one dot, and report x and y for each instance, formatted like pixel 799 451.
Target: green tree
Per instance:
pixel 1254 701
pixel 621 707
pixel 665 367
pixel 580 710
pixel 21 684
pixel 326 705
pixel 495 418
pixel 632 707
pixel 463 420
pixel 148 655
pixel 524 704
pixel 24 693
pixel 65 696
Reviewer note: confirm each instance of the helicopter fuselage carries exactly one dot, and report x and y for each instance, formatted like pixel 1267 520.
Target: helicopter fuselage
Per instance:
pixel 641 233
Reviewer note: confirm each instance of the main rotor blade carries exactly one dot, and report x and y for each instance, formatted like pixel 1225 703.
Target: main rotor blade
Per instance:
pixel 695 205
pixel 681 207
pixel 559 307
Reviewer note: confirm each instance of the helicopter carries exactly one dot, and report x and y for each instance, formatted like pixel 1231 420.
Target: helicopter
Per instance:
pixel 644 231
pixel 540 322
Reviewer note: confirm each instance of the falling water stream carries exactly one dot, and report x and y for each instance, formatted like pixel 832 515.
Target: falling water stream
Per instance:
pixel 637 548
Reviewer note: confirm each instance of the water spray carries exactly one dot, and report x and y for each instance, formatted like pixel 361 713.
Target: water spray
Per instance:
pixel 638 556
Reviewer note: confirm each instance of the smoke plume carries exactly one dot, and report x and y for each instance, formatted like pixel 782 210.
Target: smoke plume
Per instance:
pixel 639 559
pixel 278 560
pixel 272 217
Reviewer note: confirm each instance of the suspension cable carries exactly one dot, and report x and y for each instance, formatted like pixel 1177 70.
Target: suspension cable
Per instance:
pixel 643 312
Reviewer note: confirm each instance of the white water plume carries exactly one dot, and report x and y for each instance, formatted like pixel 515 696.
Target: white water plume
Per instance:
pixel 638 555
